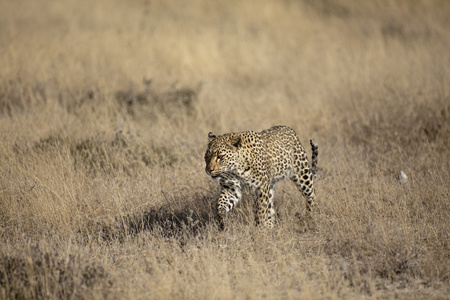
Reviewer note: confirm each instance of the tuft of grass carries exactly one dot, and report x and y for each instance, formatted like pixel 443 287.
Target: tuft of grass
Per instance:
pixel 39 274
pixel 169 103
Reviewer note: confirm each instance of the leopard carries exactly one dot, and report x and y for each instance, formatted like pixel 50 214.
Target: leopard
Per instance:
pixel 259 160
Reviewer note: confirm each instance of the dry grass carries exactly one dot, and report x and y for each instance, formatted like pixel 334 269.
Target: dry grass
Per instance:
pixel 105 109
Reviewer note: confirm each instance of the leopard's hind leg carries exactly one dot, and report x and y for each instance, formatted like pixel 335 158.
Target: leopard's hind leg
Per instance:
pixel 304 177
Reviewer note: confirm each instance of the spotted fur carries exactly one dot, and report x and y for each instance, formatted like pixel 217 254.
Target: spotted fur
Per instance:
pixel 259 160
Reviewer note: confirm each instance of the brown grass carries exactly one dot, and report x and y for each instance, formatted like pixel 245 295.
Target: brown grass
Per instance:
pixel 105 108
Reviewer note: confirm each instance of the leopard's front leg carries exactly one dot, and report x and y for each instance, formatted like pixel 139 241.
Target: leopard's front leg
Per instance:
pixel 265 213
pixel 230 195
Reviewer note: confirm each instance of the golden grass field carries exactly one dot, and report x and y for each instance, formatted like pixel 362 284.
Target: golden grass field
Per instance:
pixel 105 108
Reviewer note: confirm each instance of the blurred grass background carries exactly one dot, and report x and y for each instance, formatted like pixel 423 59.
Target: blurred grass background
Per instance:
pixel 105 108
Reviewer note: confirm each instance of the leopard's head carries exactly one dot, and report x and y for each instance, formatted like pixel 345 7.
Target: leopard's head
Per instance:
pixel 222 154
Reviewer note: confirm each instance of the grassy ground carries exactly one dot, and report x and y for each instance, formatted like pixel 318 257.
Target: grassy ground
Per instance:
pixel 105 108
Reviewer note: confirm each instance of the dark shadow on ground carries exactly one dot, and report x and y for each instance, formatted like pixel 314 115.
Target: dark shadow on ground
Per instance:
pixel 179 218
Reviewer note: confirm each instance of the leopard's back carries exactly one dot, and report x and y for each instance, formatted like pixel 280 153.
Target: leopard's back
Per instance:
pixel 283 148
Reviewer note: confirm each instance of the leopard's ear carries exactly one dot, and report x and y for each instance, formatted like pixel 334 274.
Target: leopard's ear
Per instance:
pixel 211 136
pixel 236 141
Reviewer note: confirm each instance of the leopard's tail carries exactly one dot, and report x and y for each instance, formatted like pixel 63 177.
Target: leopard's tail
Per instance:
pixel 315 154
